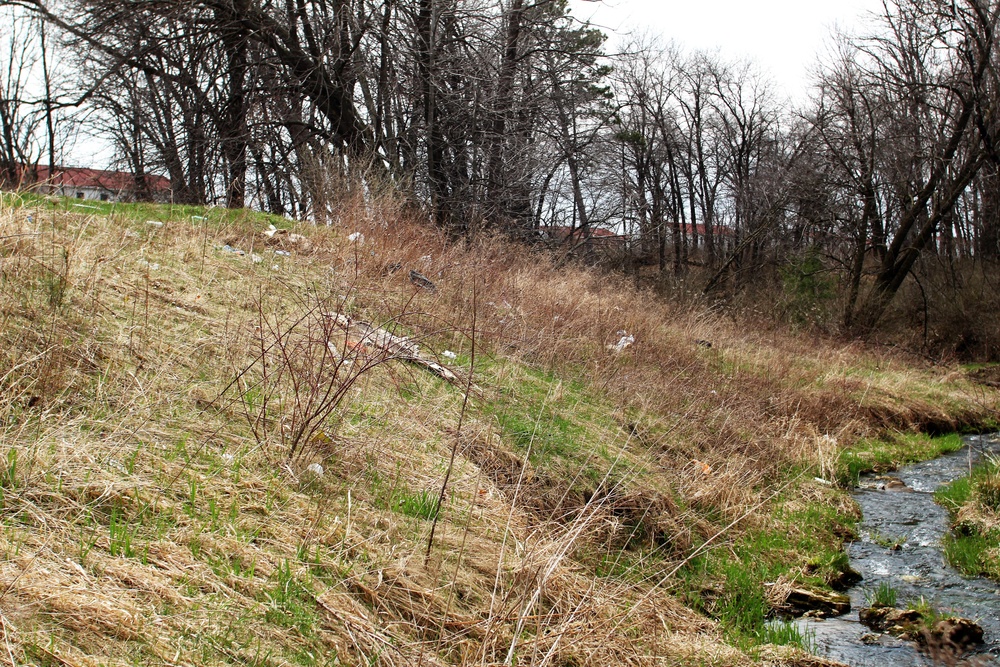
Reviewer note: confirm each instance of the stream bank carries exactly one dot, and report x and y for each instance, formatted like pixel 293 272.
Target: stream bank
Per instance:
pixel 900 546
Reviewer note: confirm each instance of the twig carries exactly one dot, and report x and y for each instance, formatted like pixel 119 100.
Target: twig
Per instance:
pixel 25 363
pixel 458 431
pixel 6 640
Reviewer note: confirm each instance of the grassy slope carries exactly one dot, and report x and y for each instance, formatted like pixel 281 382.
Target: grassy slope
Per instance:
pixel 603 508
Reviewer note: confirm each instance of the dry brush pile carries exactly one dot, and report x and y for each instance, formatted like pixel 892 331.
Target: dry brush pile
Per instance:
pixel 201 464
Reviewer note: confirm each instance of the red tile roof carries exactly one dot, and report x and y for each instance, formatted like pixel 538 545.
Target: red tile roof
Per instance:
pixel 717 230
pixel 561 233
pixel 83 177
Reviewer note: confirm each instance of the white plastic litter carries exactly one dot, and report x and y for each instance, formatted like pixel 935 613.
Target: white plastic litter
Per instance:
pixel 256 259
pixel 316 469
pixel 154 223
pixel 625 341
pixel 231 249
pixel 270 231
pixel 283 253
pixel 448 354
pixel 356 237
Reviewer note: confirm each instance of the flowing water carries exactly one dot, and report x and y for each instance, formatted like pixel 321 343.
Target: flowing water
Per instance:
pixel 911 518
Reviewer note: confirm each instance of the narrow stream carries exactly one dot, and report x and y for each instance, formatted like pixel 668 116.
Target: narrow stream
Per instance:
pixel 910 516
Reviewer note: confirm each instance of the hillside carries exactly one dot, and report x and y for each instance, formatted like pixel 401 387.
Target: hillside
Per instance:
pixel 201 466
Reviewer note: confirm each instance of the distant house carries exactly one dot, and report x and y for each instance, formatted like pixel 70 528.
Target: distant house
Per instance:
pixel 593 236
pixel 96 184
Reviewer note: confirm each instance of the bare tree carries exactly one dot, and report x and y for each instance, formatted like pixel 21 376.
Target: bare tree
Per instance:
pixel 20 116
pixel 909 117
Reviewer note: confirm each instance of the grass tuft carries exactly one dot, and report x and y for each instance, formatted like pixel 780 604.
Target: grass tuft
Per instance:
pixel 883 595
pixel 973 545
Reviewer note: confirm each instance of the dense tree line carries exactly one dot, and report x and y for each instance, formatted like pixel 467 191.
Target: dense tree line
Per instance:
pixel 510 115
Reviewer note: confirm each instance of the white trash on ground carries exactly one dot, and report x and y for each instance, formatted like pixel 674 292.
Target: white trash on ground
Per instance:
pixel 625 340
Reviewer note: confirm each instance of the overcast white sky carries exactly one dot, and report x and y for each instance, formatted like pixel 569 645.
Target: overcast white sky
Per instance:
pixel 783 36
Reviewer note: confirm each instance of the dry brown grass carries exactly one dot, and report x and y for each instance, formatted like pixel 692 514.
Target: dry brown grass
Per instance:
pixel 152 512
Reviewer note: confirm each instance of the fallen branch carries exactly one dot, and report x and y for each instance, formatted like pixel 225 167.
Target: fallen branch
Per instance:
pixel 364 334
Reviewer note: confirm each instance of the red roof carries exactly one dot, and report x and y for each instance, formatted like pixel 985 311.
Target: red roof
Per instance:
pixel 83 177
pixel 717 230
pixel 561 233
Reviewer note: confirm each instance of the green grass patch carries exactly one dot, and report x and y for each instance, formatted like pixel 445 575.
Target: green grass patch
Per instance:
pixel 927 611
pixel 898 449
pixel 987 488
pixel 728 583
pixel 289 603
pixel 8 471
pixel 562 428
pixel 419 505
pixel 953 496
pixel 974 555
pixel 140 212
pixel 883 595
pixel 393 494
pixel 123 537
pixel 784 633
pixel 973 545
pixel 742 607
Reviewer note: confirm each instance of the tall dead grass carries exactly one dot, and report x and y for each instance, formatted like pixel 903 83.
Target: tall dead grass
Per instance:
pixel 165 402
